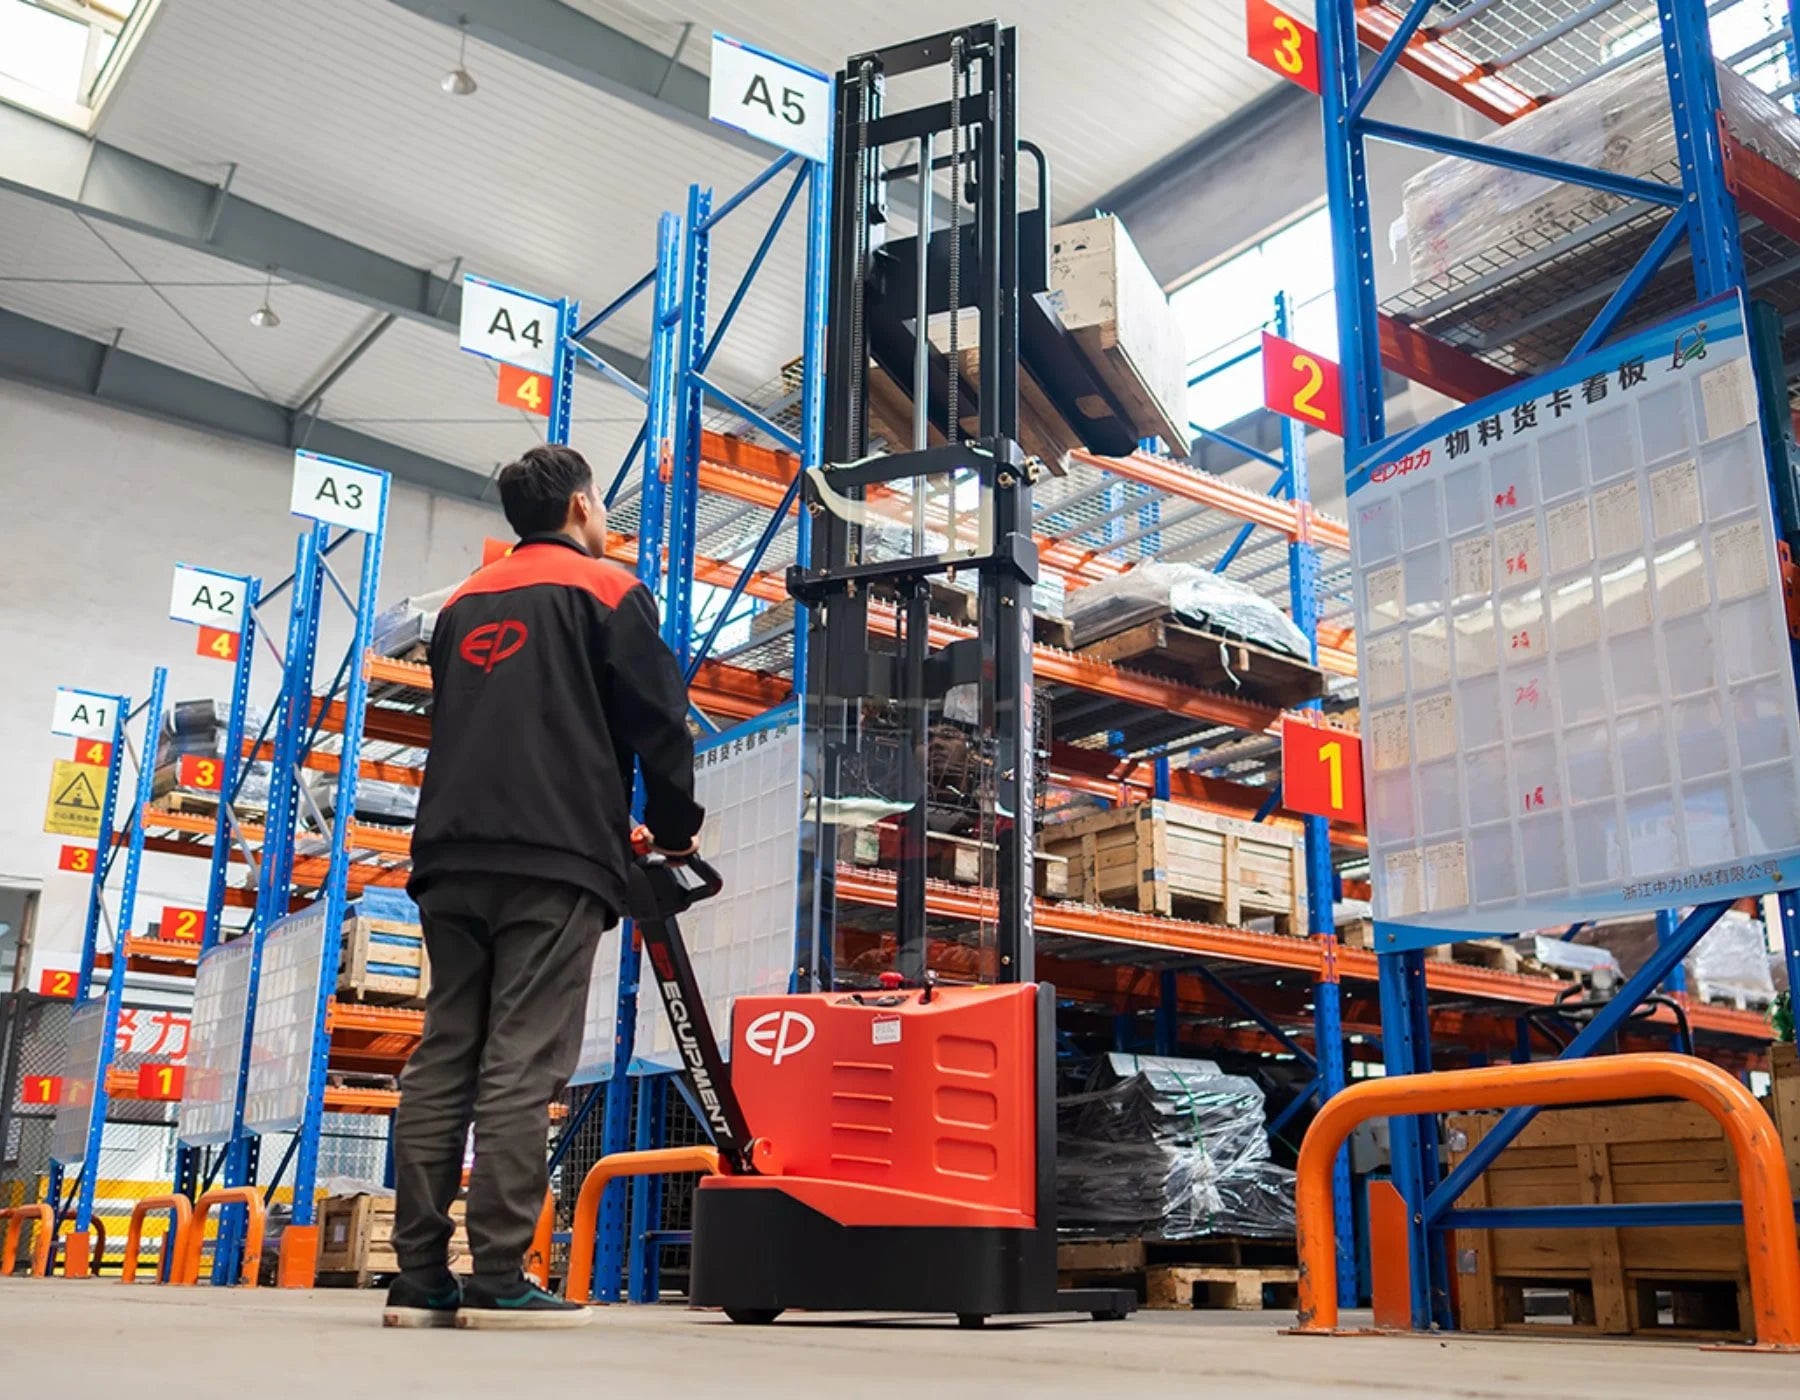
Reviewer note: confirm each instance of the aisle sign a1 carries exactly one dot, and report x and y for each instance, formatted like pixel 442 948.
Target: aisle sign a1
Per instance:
pixel 77 860
pixel 96 751
pixel 773 99
pixel 1282 43
pixel 84 714
pixel 1301 384
pixel 208 598
pixel 1321 771
pixel 523 390
pixel 338 492
pixel 1572 652
pixel 513 327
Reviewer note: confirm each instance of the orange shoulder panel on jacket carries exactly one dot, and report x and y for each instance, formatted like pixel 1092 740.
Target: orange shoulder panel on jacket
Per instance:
pixel 534 564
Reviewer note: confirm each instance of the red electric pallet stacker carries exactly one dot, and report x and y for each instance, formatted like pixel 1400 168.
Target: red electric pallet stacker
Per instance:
pixel 887 1144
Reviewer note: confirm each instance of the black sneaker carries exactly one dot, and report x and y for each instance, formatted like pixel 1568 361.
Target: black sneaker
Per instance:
pixel 515 1304
pixel 422 1298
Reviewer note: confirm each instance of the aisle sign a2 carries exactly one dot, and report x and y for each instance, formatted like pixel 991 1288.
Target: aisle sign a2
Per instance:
pixel 1282 43
pixel 773 99
pixel 218 643
pixel 1301 385
pixel 1321 771
pixel 84 714
pixel 523 390
pixel 338 492
pixel 198 770
pixel 513 327
pixel 208 598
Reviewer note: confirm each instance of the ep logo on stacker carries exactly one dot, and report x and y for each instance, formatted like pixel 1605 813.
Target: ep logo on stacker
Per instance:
pixel 779 1034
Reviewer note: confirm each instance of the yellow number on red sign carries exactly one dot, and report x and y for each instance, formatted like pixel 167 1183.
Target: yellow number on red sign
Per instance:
pixel 1303 398
pixel 1332 755
pixel 1287 52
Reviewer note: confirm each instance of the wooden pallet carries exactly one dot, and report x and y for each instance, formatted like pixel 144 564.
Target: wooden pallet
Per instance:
pixel 1209 661
pixel 358 981
pixel 1501 955
pixel 205 804
pixel 1605 1280
pixel 1133 1255
pixel 1161 858
pixel 1221 1286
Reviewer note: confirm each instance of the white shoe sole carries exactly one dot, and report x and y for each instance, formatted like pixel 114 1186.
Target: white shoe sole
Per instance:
pixel 523 1320
pixel 418 1317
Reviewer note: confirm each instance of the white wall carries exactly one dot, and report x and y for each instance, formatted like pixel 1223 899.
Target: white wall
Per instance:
pixel 96 506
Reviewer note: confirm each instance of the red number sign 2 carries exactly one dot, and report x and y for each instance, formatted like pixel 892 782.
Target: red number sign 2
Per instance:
pixel 1301 385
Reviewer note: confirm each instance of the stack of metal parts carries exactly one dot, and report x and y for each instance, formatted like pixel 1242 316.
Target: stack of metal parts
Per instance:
pixel 197 728
pixel 1168 1148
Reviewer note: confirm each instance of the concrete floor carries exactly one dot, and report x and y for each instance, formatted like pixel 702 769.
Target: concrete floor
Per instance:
pixel 99 1339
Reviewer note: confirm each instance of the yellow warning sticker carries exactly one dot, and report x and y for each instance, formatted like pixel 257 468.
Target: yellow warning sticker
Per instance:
pixel 77 791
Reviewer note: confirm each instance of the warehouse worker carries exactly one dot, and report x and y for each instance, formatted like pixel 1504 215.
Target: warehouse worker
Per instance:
pixel 549 679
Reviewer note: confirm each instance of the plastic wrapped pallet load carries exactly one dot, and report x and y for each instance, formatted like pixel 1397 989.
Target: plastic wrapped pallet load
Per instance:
pixel 1190 593
pixel 1168 1148
pixel 1457 210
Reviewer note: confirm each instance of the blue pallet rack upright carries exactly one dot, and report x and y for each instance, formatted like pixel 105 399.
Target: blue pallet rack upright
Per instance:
pixel 80 1258
pixel 1705 214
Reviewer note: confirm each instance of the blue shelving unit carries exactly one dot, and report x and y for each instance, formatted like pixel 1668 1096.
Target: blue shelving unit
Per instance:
pixel 1704 213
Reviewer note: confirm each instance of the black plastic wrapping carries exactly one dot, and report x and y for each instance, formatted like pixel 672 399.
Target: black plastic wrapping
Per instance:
pixel 1168 1148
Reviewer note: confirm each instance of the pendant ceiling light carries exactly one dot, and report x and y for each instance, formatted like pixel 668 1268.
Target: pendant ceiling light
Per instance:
pixel 264 315
pixel 459 82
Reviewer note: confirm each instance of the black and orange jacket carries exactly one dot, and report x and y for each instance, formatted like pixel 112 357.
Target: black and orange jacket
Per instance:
pixel 549 678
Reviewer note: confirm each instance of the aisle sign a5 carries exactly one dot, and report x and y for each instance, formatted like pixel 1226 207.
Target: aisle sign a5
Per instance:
pixel 1321 771
pixel 338 492
pixel 1282 43
pixel 84 714
pixel 516 328
pixel 773 99
pixel 1301 385
pixel 207 597
pixel 521 389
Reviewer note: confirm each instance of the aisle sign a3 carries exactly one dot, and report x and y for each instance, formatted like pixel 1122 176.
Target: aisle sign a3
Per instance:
pixel 338 492
pixel 208 598
pixel 84 714
pixel 513 327
pixel 773 99
pixel 1282 43
pixel 1321 771
pixel 523 390
pixel 1301 385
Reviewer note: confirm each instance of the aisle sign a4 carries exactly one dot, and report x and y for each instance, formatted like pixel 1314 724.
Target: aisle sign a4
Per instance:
pixel 338 492
pixel 84 714
pixel 773 99
pixel 514 327
pixel 1282 43
pixel 208 598
pixel 1321 771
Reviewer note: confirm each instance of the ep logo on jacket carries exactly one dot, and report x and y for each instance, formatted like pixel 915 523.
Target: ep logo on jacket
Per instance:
pixel 492 642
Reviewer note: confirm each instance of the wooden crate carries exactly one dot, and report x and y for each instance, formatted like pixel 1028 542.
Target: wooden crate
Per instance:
pixel 356 1240
pixel 1160 858
pixel 957 859
pixel 1638 1153
pixel 1165 647
pixel 384 962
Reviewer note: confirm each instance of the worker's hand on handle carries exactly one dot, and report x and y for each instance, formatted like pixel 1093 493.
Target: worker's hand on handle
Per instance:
pixel 666 883
pixel 644 844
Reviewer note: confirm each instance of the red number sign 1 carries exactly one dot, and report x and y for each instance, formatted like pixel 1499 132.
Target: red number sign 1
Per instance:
pixel 1321 771
pixel 58 982
pixel 1302 385
pixel 182 925
pixel 78 860
pixel 160 1081
pixel 218 644
pixel 95 751
pixel 1282 43
pixel 520 388
pixel 40 1089
pixel 199 771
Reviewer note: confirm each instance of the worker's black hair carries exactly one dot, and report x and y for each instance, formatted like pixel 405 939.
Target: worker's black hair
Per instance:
pixel 535 490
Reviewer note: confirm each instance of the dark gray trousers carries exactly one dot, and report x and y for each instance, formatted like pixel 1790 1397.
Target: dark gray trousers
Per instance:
pixel 510 962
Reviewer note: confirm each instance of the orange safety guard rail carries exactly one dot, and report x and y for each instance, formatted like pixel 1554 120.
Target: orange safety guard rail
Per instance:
pixel 537 1261
pixel 657 1162
pixel 1769 1232
pixel 251 1200
pixel 82 1257
pixel 175 1243
pixel 15 1218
